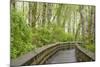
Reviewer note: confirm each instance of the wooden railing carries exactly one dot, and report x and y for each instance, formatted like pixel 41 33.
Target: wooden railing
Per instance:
pixel 83 54
pixel 41 55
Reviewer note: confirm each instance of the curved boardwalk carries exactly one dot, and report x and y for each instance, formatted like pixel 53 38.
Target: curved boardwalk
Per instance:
pixel 63 56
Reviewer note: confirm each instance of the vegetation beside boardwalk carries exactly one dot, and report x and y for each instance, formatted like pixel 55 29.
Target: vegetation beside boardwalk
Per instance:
pixel 35 24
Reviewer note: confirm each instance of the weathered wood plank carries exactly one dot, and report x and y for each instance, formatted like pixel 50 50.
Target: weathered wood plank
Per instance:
pixel 40 55
pixel 85 52
pixel 24 58
pixel 63 56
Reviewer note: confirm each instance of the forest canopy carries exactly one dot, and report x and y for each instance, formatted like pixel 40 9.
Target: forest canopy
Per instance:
pixel 35 24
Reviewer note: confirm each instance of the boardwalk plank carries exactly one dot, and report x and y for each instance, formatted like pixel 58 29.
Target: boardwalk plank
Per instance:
pixel 63 56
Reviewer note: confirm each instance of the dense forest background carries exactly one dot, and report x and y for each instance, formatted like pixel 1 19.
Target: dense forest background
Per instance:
pixel 35 24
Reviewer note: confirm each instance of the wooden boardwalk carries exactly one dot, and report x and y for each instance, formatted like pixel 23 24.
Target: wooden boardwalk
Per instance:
pixel 63 56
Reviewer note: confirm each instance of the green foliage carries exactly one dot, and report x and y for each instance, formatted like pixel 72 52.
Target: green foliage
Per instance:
pixel 56 34
pixel 21 35
pixel 61 35
pixel 47 24
pixel 90 47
